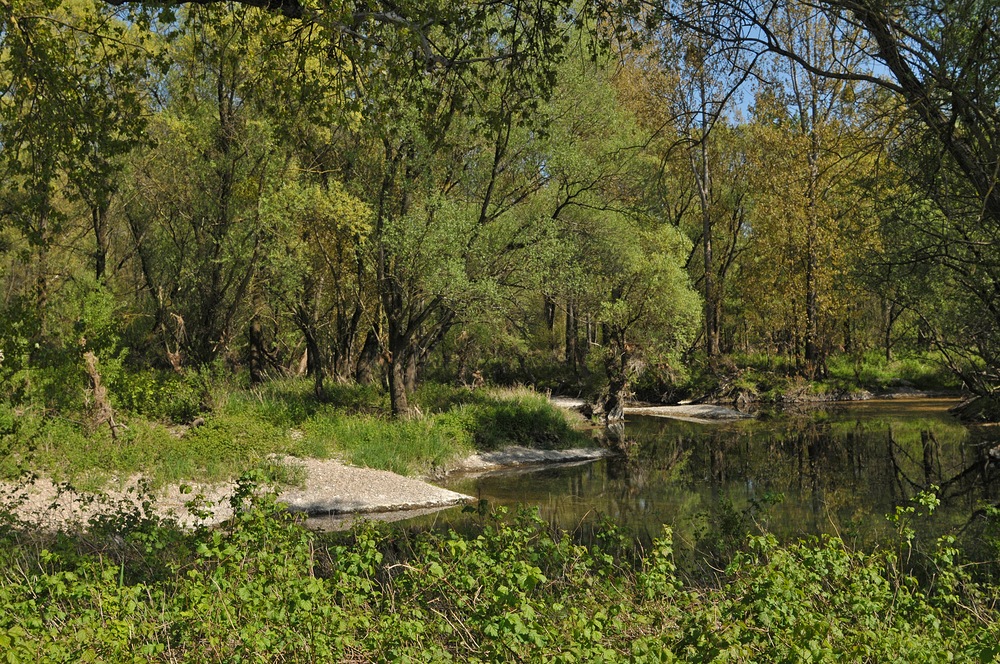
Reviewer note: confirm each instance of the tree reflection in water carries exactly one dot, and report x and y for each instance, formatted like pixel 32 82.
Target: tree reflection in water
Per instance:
pixel 837 469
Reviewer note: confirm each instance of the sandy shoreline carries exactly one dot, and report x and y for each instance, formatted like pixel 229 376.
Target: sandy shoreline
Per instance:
pixel 330 489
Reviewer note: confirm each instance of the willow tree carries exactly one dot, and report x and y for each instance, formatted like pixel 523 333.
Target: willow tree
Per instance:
pixel 648 308
pixel 619 265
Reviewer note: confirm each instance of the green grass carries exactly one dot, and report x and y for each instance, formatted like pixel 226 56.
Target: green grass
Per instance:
pixel 405 447
pixel 240 428
pixel 924 371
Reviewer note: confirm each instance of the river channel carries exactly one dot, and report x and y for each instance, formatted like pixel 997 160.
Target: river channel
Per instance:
pixel 839 468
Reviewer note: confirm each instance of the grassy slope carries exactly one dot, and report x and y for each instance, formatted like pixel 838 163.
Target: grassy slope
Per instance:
pixel 240 428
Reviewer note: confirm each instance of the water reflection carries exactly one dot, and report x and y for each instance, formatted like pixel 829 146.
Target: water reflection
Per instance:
pixel 837 469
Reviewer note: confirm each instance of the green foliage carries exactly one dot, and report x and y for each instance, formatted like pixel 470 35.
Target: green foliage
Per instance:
pixel 773 378
pixel 262 587
pixel 528 421
pixel 925 371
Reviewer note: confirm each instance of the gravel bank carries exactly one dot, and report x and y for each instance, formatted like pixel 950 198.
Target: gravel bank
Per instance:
pixel 690 412
pixel 330 488
pixel 520 456
pixel 701 413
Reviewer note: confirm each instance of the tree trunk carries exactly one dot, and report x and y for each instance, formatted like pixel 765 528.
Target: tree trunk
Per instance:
pixel 256 351
pixel 812 210
pixel 99 214
pixel 364 370
pixel 703 176
pixel 347 332
pixel 314 360
pixel 811 354
pixel 412 370
pixel 42 275
pixel 550 313
pixel 398 363
pixel 616 365
pixel 849 330
pixel 572 331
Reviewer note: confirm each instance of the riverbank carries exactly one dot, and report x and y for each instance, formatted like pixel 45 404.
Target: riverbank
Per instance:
pixel 340 455
pixel 334 457
pixel 239 429
pixel 324 488
pixel 744 380
pixel 510 589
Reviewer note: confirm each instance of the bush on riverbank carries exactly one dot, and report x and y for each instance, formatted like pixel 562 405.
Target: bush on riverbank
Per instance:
pixel 263 588
pixel 203 427
pixel 769 378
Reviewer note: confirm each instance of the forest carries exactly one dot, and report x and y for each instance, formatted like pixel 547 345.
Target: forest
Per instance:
pixel 386 232
pixel 629 199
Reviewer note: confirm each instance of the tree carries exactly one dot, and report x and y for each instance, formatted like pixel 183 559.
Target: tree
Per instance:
pixel 309 267
pixel 69 110
pixel 593 153
pixel 619 265
pixel 647 307
pixel 697 86
pixel 938 62
pixel 450 157
pixel 193 205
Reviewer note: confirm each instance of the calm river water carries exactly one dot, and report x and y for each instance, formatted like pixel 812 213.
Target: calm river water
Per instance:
pixel 837 468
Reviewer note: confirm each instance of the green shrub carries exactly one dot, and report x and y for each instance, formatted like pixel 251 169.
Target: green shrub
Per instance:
pixel 161 395
pixel 528 420
pixel 263 588
pixel 233 441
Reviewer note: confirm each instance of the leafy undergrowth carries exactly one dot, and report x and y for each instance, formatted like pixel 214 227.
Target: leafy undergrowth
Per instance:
pixel 772 378
pixel 239 428
pixel 872 371
pixel 263 588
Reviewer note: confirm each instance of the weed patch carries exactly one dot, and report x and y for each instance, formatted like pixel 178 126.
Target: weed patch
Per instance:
pixel 263 588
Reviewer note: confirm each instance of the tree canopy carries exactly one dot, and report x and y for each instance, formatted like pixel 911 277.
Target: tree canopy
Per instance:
pixel 571 195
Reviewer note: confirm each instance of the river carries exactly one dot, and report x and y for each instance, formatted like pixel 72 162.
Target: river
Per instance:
pixel 836 468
